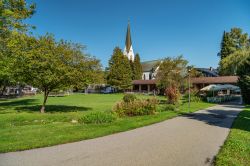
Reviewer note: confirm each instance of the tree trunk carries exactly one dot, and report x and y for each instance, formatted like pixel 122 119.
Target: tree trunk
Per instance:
pixel 46 93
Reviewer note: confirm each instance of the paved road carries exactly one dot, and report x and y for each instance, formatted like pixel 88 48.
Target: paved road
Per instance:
pixel 188 140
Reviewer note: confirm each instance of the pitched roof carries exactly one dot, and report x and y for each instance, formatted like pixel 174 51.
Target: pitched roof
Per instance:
pixel 215 80
pixel 150 65
pixel 128 41
pixel 212 72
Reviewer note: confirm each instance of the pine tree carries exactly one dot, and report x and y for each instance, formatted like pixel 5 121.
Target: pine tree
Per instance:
pixel 226 45
pixel 120 73
pixel 233 41
pixel 137 68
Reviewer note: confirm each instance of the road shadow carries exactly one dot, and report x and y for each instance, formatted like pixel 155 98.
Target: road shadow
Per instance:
pixel 224 118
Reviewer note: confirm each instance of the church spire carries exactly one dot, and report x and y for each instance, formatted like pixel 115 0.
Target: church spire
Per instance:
pixel 128 50
pixel 128 42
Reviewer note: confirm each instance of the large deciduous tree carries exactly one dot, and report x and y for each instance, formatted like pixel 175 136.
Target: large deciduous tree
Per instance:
pixel 170 76
pixel 12 14
pixel 119 71
pixel 244 79
pixel 230 64
pixel 51 65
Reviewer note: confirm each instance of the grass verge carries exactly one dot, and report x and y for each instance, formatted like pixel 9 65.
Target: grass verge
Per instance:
pixel 236 150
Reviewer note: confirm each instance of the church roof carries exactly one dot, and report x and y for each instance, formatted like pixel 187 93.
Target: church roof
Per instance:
pixel 150 65
pixel 128 42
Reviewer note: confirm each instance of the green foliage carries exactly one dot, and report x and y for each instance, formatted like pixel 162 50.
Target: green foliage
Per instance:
pixel 136 68
pixel 119 74
pixel 244 79
pixel 171 76
pixel 12 14
pixel 172 72
pixel 97 118
pixel 136 107
pixel 194 96
pixel 170 107
pixel 230 64
pixel 226 45
pixel 48 64
pixel 234 49
pixel 129 98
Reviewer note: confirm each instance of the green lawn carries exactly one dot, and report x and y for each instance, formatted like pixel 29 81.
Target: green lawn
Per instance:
pixel 23 127
pixel 236 150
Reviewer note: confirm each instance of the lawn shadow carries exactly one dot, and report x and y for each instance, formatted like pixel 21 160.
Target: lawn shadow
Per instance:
pixel 14 103
pixel 52 108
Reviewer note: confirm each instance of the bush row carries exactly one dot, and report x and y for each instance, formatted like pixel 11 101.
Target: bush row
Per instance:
pixel 136 107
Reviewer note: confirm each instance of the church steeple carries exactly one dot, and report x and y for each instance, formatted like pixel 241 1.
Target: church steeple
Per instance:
pixel 128 50
pixel 128 42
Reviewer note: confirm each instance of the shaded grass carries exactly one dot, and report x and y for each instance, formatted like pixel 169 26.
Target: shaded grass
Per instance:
pixel 236 150
pixel 23 127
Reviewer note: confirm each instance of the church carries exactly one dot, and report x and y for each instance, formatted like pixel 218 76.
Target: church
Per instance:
pixel 147 83
pixel 149 68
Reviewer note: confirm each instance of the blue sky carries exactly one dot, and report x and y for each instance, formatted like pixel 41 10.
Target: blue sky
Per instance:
pixel 160 28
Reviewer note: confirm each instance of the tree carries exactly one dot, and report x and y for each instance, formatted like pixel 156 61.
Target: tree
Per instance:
pixel 119 74
pixel 226 45
pixel 12 14
pixel 230 64
pixel 244 79
pixel 136 68
pixel 50 65
pixel 170 76
pixel 233 44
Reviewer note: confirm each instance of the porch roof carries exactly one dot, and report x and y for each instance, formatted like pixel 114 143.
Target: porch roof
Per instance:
pixel 144 82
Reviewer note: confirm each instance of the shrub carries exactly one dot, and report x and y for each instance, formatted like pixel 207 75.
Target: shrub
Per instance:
pixel 129 97
pixel 193 97
pixel 97 118
pixel 170 107
pixel 172 94
pixel 136 107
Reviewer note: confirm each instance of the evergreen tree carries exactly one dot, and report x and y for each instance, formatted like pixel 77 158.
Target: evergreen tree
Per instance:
pixel 120 73
pixel 233 41
pixel 226 45
pixel 137 68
